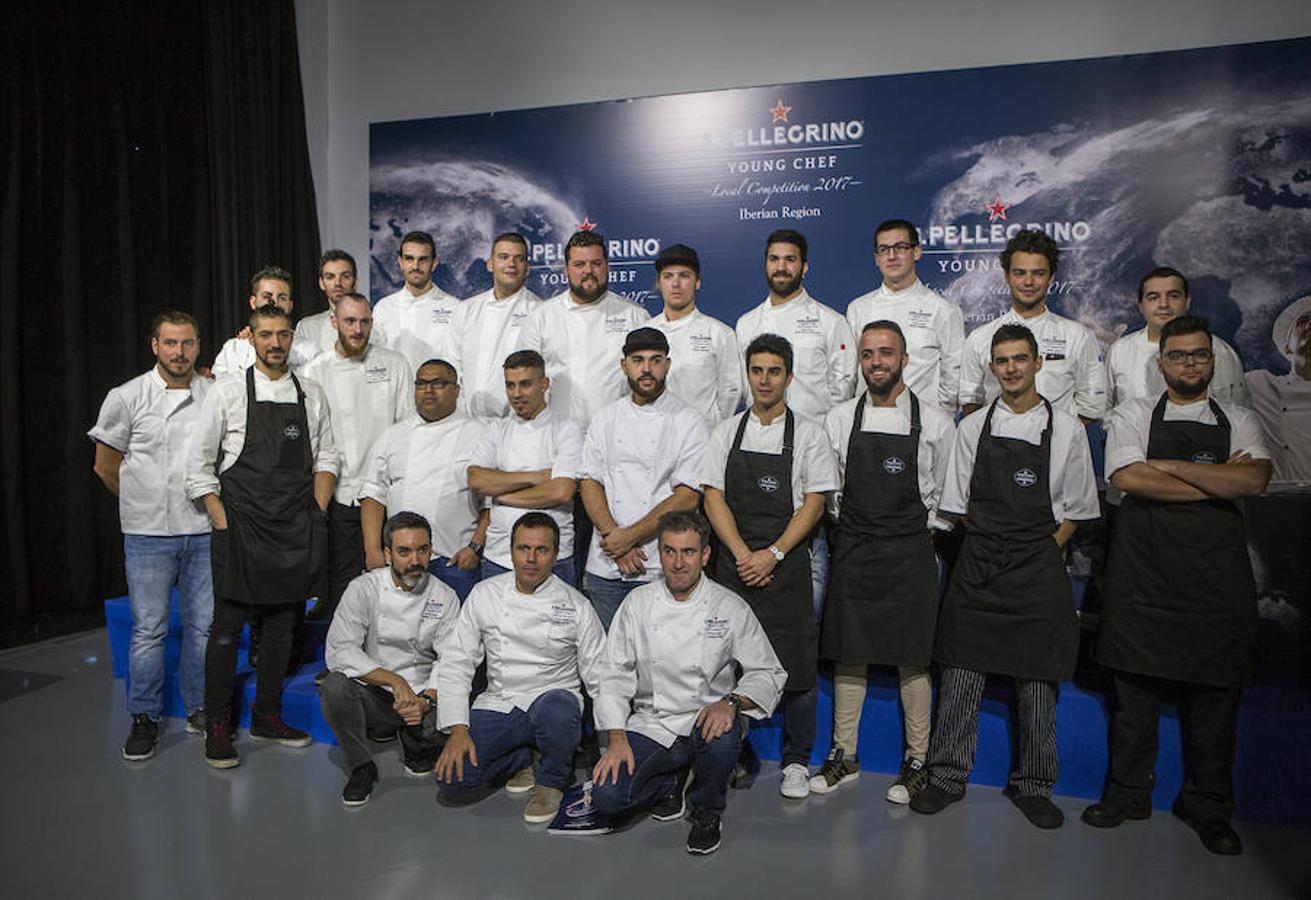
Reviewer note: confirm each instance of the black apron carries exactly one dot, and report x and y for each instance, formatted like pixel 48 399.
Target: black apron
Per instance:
pixel 275 547
pixel 758 489
pixel 1180 596
pixel 882 600
pixel 1009 608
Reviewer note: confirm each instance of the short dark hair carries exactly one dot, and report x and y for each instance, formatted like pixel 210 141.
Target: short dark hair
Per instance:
pixel 894 224
pixel 535 519
pixel 438 361
pixel 267 311
pixel 513 237
pixel 1181 325
pixel 402 520
pixel 771 343
pixel 173 317
pixel 418 237
pixel 274 273
pixel 1031 241
pixel 1162 272
pixel 525 359
pixel 1013 332
pixel 355 295
pixel 886 325
pixel 337 256
pixel 681 522
pixel 788 236
pixel 585 239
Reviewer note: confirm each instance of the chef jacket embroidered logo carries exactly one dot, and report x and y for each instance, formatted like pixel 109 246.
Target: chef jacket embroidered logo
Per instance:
pixel 1205 457
pixel 1026 477
pixel 894 465
pixel 291 432
pixel 563 614
pixel 432 609
pixel 768 483
pixel 716 627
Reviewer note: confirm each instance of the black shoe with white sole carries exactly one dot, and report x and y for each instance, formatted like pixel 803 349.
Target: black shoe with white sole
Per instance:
pixel 704 836
pixel 673 805
pixel 359 788
pixel 142 739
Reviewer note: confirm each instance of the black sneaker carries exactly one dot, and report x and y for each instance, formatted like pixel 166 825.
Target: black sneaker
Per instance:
pixel 910 781
pixel 704 837
pixel 196 722
pixel 673 805
pixel 420 764
pixel 142 739
pixel 272 728
pixel 836 771
pixel 1040 811
pixel 219 751
pixel 359 788
pixel 932 799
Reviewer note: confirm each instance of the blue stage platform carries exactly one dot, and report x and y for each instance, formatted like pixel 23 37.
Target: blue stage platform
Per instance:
pixel 1272 777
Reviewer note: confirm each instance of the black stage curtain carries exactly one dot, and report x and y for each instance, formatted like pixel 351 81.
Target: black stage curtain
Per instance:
pixel 153 156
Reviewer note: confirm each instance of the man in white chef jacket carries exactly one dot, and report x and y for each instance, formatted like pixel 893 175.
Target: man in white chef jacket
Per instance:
pixel 380 653
pixel 270 285
pixel 527 461
pixel 336 279
pixel 687 660
pixel 934 326
pixel 1072 377
pixel 641 459
pixel 490 326
pixel 420 464
pixel 419 320
pixel 368 389
pixel 705 362
pixel 141 437
pixel 542 643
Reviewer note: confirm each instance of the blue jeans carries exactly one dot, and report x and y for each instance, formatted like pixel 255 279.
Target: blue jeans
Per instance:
pixel 505 742
pixel 154 565
pixel 454 577
pixel 564 570
pixel 656 770
pixel 819 570
pixel 606 594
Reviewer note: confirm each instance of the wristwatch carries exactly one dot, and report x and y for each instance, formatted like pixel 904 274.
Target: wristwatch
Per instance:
pixel 477 548
pixel 734 701
pixel 778 554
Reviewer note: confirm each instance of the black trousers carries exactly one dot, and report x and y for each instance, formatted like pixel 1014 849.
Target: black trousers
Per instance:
pixel 279 623
pixel 1210 732
pixel 357 712
pixel 345 550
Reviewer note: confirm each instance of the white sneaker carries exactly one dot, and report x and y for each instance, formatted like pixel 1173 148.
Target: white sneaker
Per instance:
pixel 796 781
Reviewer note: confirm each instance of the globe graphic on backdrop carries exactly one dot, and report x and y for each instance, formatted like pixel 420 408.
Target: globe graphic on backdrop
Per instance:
pixel 1222 193
pixel 463 204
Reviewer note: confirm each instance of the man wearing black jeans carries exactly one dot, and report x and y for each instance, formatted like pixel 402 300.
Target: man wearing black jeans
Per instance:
pixel 263 461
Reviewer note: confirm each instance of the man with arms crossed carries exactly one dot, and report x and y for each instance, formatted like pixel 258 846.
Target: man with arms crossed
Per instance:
pixel 141 438
pixel 672 696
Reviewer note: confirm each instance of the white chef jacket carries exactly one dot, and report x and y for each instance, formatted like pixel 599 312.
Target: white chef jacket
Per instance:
pixel 1071 482
pixel 1130 426
pixel 1283 404
pixel 316 331
pixel 488 330
pixel 381 626
pixel 935 337
pixel 814 470
pixel 144 420
pixel 639 454
pixel 515 444
pixel 666 660
pixel 238 354
pixel 705 363
pixel 1131 371
pixel 533 643
pixel 423 467
pixel 366 394
pixel 220 431
pixel 1072 376
pixel 937 435
pixel 582 344
pixel 420 327
pixel 823 350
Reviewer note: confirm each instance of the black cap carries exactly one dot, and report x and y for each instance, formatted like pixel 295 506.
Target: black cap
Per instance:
pixel 646 339
pixel 678 255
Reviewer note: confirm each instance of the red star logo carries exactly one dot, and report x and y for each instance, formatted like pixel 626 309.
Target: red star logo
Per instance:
pixel 996 209
pixel 780 112
pixel 588 225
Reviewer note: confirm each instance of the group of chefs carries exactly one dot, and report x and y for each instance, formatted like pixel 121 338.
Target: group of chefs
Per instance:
pixel 531 520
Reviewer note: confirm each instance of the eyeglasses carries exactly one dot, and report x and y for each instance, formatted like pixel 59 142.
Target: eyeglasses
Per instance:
pixel 438 383
pixel 1179 357
pixel 901 247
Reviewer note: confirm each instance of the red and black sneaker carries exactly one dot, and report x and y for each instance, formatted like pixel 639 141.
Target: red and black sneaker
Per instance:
pixel 219 751
pixel 272 728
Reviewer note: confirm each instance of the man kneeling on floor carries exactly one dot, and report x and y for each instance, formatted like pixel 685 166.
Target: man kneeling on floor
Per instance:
pixel 670 697
pixel 542 642
pixel 380 652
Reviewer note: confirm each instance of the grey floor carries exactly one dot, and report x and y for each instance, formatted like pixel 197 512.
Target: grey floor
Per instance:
pixel 78 821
